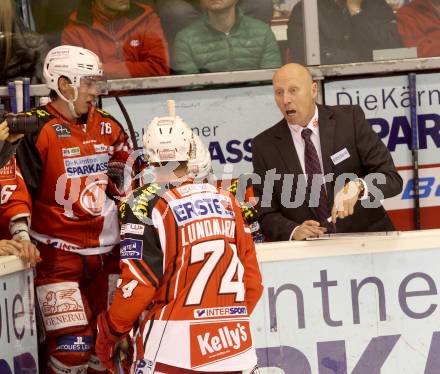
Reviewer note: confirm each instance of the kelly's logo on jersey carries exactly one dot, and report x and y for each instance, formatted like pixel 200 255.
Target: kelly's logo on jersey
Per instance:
pixel 201 205
pixel 131 249
pixel 211 342
pixel 220 312
pixel 87 165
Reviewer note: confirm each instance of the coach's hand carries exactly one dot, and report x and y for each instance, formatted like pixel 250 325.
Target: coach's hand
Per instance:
pixel 345 200
pixel 308 229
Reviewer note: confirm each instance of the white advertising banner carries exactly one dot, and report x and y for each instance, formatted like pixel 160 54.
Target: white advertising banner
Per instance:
pixel 18 334
pixel 385 101
pixel 358 313
pixel 225 119
pixel 386 104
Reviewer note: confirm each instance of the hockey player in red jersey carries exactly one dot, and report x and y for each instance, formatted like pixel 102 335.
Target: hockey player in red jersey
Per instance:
pixel 15 211
pixel 66 166
pixel 200 168
pixel 189 269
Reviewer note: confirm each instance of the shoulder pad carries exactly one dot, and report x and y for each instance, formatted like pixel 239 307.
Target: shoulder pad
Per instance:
pixel 105 114
pixel 108 116
pixel 42 114
pixel 143 200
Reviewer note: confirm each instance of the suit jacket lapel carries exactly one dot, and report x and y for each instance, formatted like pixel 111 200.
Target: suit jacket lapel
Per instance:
pixel 287 149
pixel 327 127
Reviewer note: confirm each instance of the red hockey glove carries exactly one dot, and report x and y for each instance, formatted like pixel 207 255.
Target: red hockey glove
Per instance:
pixel 105 341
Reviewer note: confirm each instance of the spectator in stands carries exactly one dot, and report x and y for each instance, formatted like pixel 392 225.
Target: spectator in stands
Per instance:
pixel 21 50
pixel 419 26
pixel 127 36
pixel 50 18
pixel 349 30
pixel 224 39
pixel 177 14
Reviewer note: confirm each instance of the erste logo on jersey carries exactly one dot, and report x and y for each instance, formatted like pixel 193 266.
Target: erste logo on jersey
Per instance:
pixel 88 165
pixel 211 342
pixel 201 206
pixel 131 249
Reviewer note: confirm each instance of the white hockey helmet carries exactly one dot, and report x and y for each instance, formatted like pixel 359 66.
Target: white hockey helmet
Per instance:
pixel 199 165
pixel 72 62
pixel 167 139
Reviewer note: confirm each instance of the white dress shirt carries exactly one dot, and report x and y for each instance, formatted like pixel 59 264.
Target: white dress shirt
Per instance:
pixel 299 143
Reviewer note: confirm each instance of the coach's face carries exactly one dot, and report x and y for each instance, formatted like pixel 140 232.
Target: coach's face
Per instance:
pixel 295 93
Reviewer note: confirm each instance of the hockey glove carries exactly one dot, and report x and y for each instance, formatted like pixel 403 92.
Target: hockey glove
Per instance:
pixel 105 341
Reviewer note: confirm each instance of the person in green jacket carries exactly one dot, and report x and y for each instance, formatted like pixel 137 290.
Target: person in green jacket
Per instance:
pixel 225 39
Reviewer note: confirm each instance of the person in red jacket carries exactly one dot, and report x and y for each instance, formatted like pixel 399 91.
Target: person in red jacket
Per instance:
pixel 419 26
pixel 70 167
pixel 127 37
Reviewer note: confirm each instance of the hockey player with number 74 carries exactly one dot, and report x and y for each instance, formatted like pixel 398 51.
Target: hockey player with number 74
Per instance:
pixel 189 270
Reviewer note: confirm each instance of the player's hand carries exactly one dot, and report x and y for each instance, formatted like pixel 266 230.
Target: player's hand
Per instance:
pixel 12 138
pixel 10 247
pixel 105 342
pixel 29 252
pixel 6 135
pixel 309 229
pixel 4 131
pixel 345 201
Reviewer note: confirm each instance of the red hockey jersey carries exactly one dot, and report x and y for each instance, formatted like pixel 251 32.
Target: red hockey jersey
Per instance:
pixel 15 200
pixel 187 257
pixel 66 168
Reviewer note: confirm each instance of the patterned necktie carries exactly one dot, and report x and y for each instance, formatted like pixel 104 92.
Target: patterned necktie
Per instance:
pixel 312 166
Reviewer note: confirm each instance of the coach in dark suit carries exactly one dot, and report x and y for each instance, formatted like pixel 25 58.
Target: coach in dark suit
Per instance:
pixel 315 141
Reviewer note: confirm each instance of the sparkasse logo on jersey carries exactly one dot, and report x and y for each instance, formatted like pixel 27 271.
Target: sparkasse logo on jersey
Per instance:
pixel 217 341
pixel 220 312
pixel 88 165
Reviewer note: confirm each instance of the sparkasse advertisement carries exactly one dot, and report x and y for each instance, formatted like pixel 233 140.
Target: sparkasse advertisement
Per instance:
pixel 386 103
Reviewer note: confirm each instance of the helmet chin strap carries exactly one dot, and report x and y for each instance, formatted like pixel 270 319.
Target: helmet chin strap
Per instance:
pixel 70 103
